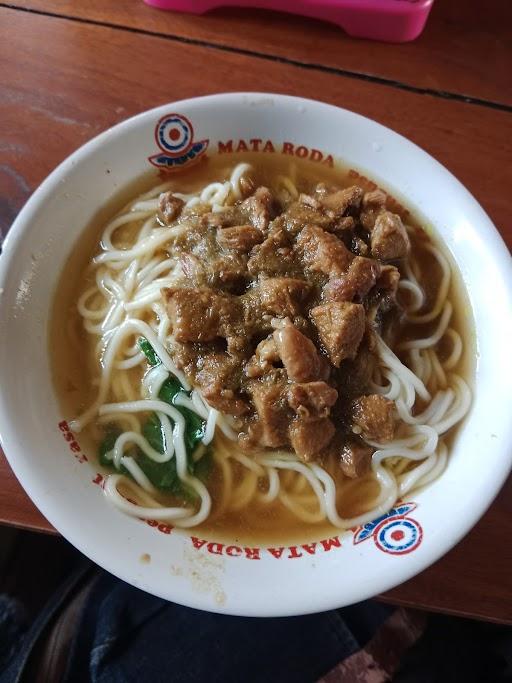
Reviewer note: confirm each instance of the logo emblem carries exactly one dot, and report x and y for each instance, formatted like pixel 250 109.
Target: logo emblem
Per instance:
pixel 174 135
pixel 394 533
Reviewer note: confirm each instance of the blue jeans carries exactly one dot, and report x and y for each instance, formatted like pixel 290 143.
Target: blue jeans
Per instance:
pixel 124 635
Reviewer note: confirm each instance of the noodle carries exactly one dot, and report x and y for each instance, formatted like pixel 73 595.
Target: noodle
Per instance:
pixel 124 303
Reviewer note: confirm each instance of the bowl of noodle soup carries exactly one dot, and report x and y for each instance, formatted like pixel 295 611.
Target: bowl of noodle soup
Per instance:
pixel 263 374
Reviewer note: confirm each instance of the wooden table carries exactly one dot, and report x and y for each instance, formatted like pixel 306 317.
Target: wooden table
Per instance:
pixel 69 70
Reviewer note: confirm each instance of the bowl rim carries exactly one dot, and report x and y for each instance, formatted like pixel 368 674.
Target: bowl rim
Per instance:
pixel 50 509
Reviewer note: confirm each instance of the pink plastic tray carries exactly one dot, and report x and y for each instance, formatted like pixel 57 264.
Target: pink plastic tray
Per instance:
pixel 395 21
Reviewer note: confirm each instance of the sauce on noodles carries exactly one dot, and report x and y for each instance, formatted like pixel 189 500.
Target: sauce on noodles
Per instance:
pixel 239 486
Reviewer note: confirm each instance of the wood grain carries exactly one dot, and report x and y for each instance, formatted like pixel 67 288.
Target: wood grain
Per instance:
pixel 465 48
pixel 77 79
pixel 16 508
pixel 473 579
pixel 62 82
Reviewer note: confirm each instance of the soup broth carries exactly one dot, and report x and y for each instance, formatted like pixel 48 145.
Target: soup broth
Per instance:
pixel 239 507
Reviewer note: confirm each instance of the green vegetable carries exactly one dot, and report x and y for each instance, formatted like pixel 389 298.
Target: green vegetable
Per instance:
pixel 194 429
pixel 107 445
pixel 153 433
pixel 163 475
pixel 170 389
pixel 194 425
pixel 148 351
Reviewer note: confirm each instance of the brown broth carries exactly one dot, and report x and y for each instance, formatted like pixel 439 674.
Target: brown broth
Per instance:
pixel 74 365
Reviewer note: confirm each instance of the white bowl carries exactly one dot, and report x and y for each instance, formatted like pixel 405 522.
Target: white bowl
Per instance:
pixel 209 575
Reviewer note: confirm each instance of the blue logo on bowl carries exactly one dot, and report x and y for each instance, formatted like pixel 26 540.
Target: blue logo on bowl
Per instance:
pixel 395 532
pixel 174 135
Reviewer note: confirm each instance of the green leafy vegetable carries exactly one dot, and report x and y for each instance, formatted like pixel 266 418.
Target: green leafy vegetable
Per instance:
pixel 163 475
pixel 194 429
pixel 149 351
pixel 170 389
pixel 153 433
pixel 194 425
pixel 107 445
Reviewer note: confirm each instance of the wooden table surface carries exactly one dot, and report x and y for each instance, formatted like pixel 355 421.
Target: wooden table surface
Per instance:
pixel 69 70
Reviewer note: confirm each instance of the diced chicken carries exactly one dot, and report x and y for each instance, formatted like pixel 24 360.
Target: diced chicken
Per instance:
pixel 355 374
pixel 373 199
pixel 312 399
pixel 360 277
pixel 273 257
pixel 355 458
pixel 221 219
pixel 228 271
pixel 341 327
pixel 193 269
pixel 258 208
pixel 265 355
pixel 372 205
pixel 218 379
pixel 261 315
pixel 308 200
pixel 389 239
pixel 271 428
pixel 282 296
pixel 246 185
pixel 340 201
pixel 388 279
pixel 226 401
pixel 200 315
pixel 308 437
pixel 341 227
pixel 302 213
pixel 345 224
pixel 239 237
pixel 323 252
pixel 373 417
pixel 244 330
pixel 267 350
pixel 170 207
pixel 185 357
pixel 298 353
pixel 358 246
pixel 383 300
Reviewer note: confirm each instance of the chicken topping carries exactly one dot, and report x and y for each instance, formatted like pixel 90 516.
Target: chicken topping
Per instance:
pixel 275 311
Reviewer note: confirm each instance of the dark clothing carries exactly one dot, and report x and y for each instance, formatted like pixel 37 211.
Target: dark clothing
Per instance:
pixel 122 634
